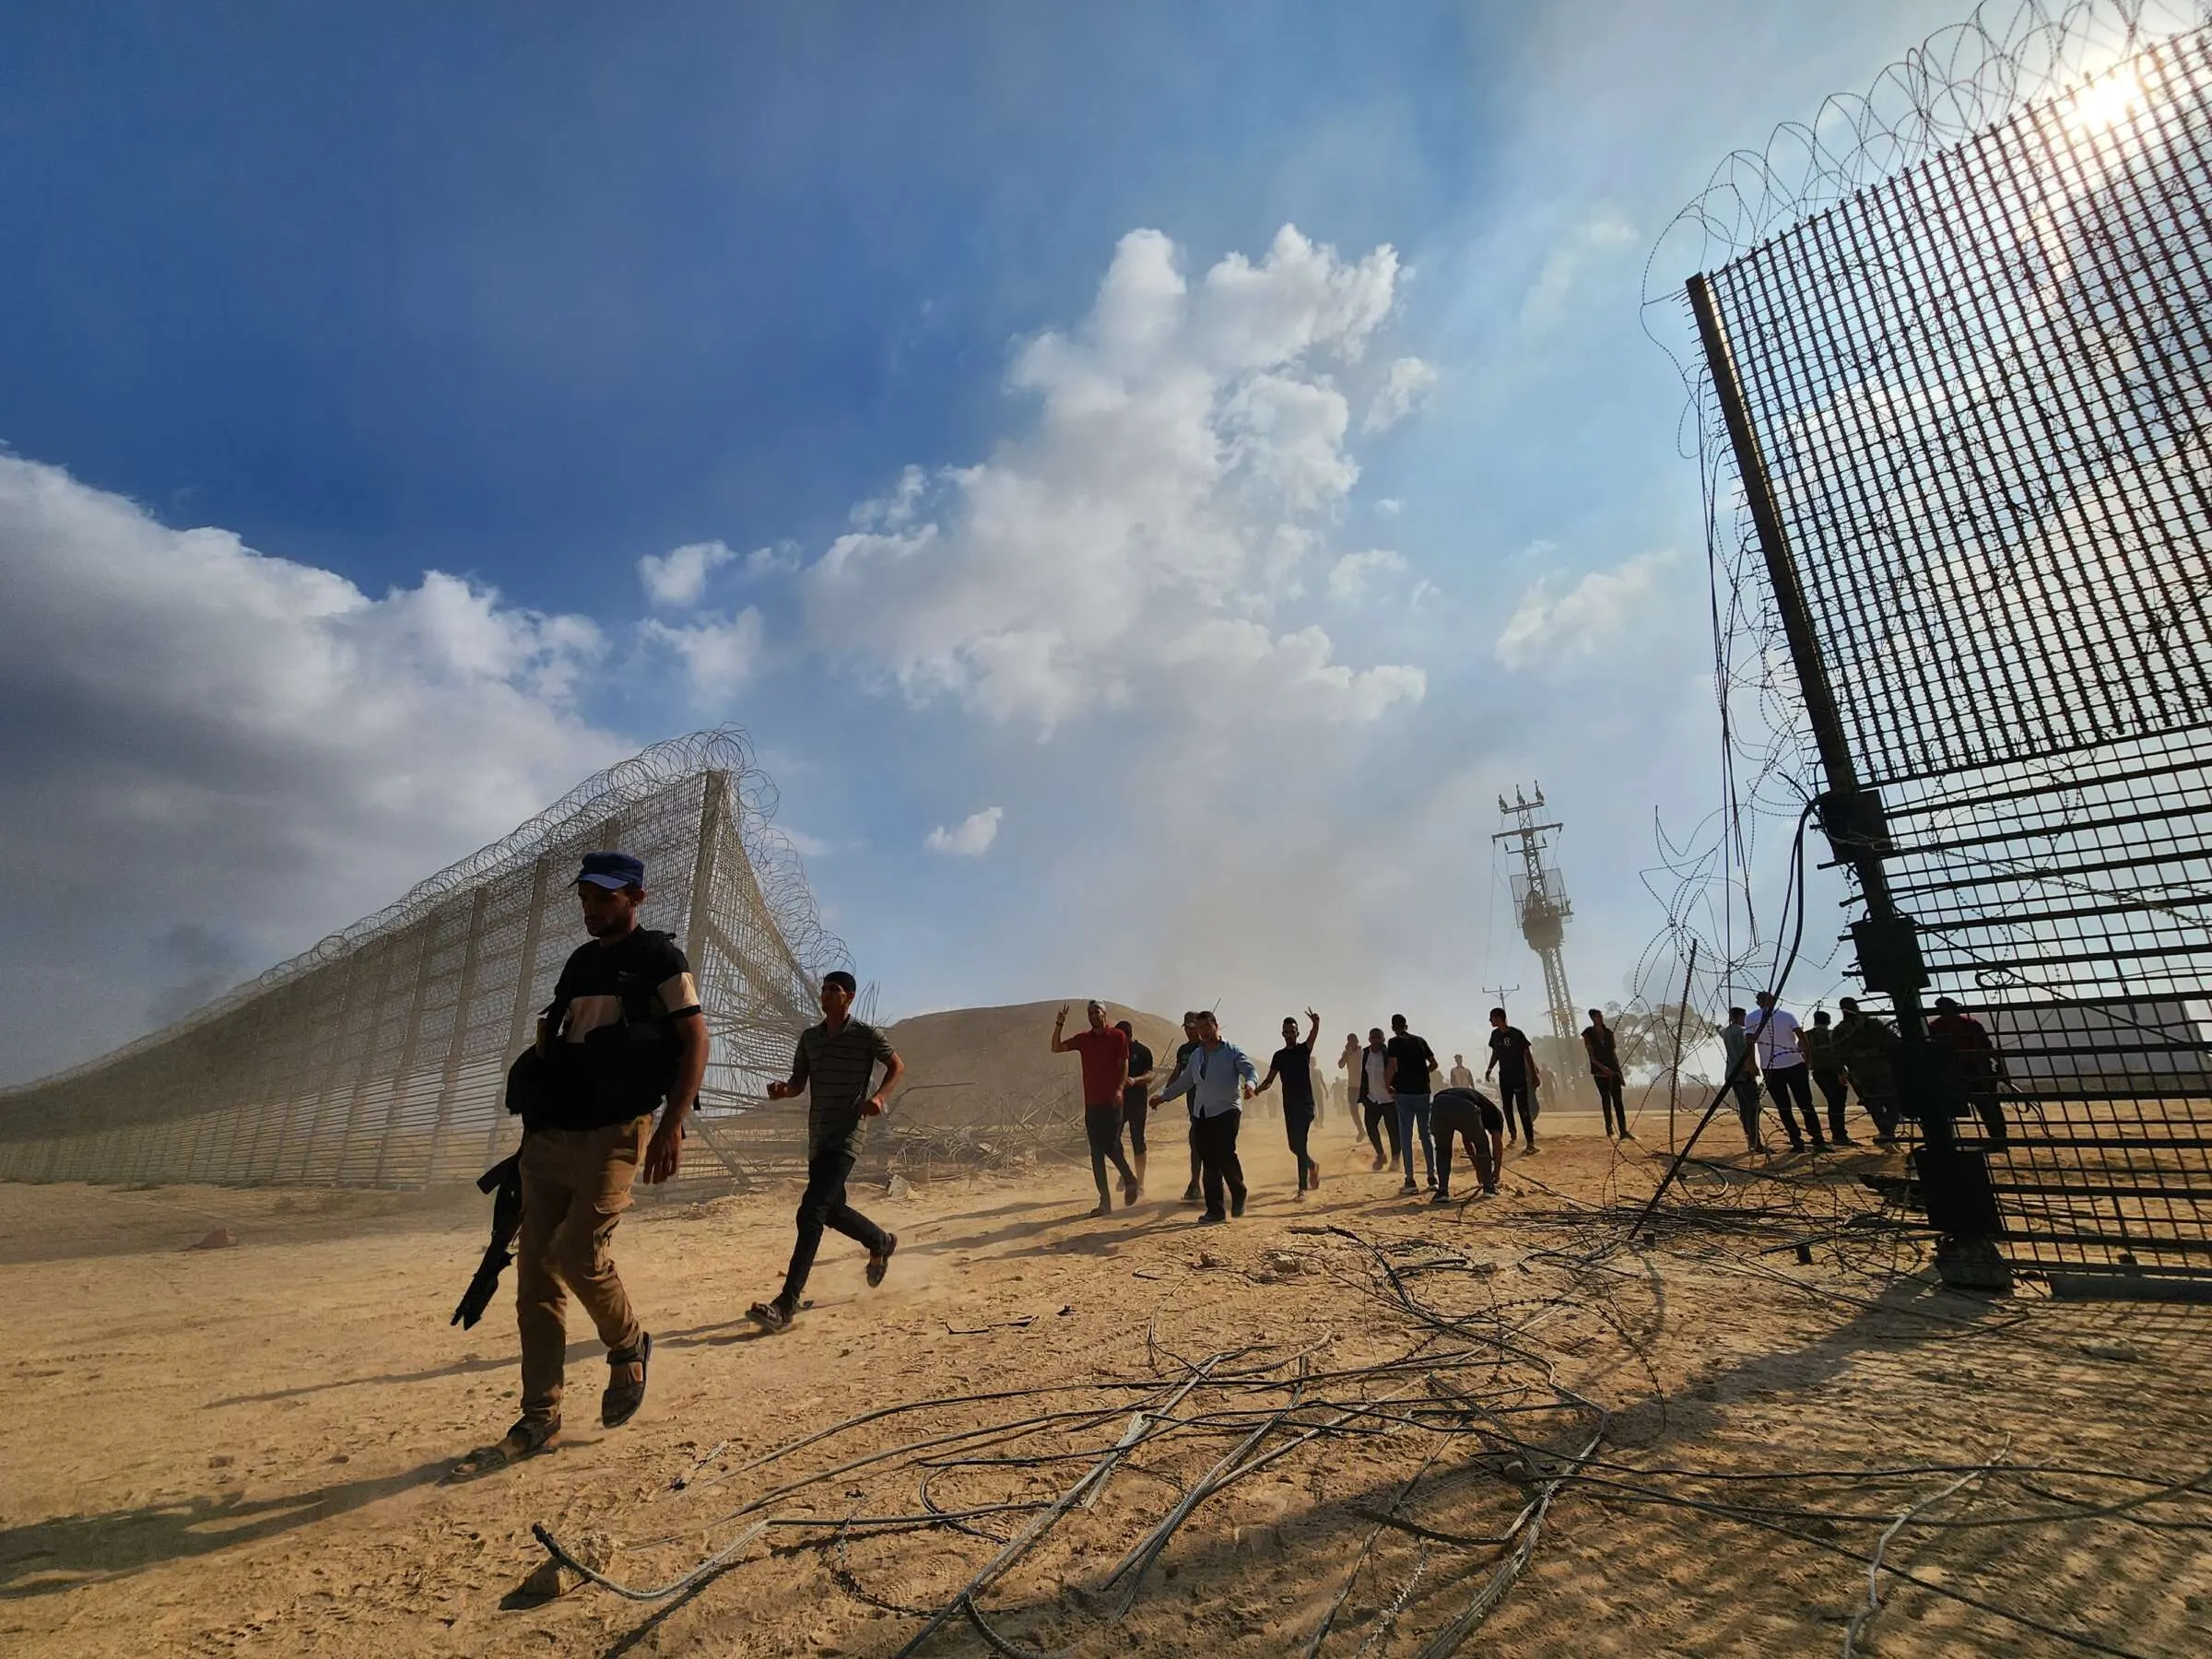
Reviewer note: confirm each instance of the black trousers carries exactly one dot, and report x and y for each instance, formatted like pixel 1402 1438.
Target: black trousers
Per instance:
pixel 1298 1124
pixel 1509 1094
pixel 823 1205
pixel 1609 1103
pixel 1135 1111
pixel 1481 1148
pixel 1746 1090
pixel 1102 1128
pixel 1790 1086
pixel 1216 1138
pixel 1834 1091
pixel 1382 1115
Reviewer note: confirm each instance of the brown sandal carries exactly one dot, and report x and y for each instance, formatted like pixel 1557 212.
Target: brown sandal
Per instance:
pixel 623 1395
pixel 526 1439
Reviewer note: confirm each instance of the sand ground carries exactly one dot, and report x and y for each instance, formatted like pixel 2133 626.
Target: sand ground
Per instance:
pixel 239 1450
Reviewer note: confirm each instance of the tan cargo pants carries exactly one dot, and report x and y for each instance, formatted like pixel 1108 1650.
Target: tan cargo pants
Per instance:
pixel 575 1186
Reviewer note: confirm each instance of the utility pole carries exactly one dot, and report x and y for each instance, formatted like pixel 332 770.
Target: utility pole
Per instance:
pixel 1540 899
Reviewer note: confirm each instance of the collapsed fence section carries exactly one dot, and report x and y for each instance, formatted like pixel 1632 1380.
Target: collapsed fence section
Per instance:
pixel 379 1058
pixel 1967 391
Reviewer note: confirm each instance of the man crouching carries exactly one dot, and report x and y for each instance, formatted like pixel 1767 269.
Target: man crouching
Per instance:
pixel 623 1034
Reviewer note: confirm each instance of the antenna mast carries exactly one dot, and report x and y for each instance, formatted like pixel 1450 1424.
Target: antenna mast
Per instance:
pixel 1540 898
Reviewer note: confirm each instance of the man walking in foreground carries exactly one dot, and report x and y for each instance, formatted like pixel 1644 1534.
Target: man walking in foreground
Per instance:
pixel 1515 1063
pixel 1374 1097
pixel 1743 1077
pixel 1605 1071
pixel 1472 1116
pixel 1293 1062
pixel 1218 1078
pixel 834 1062
pixel 1782 1058
pixel 1105 1053
pixel 1409 1062
pixel 623 1034
pixel 1136 1096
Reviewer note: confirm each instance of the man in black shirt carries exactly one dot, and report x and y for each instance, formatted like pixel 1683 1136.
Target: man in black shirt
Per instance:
pixel 1408 1061
pixel 833 1064
pixel 1136 1097
pixel 1294 1064
pixel 1467 1114
pixel 1515 1064
pixel 623 1034
pixel 1605 1071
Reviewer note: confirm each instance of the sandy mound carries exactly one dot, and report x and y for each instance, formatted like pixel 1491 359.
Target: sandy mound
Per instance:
pixel 995 1066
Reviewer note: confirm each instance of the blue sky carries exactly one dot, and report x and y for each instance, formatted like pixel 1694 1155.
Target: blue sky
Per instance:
pixel 1035 474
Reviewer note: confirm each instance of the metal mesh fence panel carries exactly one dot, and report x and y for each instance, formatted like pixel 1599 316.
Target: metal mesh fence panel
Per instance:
pixel 1981 393
pixel 379 1058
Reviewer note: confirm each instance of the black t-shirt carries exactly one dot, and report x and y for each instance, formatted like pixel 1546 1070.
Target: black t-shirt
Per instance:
pixel 1414 1057
pixel 1461 1110
pixel 1510 1047
pixel 1140 1062
pixel 614 1009
pixel 1293 1065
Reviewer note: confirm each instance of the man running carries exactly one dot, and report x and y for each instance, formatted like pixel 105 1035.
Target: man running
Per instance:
pixel 1472 1116
pixel 1515 1061
pixel 1408 1061
pixel 1605 1071
pixel 1460 1077
pixel 625 1030
pixel 1105 1054
pixel 1374 1097
pixel 834 1062
pixel 1782 1058
pixel 1293 1062
pixel 1136 1096
pixel 1218 1078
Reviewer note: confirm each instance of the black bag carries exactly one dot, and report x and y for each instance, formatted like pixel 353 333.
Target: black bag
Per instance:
pixel 619 1070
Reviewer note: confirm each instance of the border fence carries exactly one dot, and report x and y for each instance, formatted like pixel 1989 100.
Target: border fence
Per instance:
pixel 379 1057
pixel 1968 393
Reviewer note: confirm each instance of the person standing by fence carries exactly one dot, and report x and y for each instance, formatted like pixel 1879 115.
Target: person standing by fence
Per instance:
pixel 1218 1078
pixel 1599 1044
pixel 1820 1059
pixel 1105 1055
pixel 1867 1048
pixel 1782 1058
pixel 1982 1066
pixel 833 1064
pixel 1742 1078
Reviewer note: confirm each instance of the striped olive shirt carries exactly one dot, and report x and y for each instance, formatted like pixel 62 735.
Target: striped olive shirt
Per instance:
pixel 834 1068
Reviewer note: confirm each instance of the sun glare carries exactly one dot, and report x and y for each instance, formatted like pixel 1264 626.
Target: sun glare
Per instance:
pixel 2103 104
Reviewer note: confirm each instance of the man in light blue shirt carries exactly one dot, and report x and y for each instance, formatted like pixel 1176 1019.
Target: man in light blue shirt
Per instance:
pixel 1218 1078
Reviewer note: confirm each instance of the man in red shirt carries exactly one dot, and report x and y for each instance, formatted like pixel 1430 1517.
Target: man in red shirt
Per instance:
pixel 1105 1053
pixel 1978 1059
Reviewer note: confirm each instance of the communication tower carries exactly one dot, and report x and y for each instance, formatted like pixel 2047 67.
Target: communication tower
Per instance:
pixel 1540 898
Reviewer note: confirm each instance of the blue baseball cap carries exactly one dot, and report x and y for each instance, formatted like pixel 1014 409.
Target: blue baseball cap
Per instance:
pixel 616 870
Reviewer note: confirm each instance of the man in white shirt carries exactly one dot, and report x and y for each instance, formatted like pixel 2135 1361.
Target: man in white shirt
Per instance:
pixel 1782 1058
pixel 1461 1076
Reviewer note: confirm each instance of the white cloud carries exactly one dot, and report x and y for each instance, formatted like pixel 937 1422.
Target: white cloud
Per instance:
pixel 1187 449
pixel 778 560
pixel 1544 306
pixel 719 653
pixel 1347 576
pixel 1404 388
pixel 205 743
pixel 1389 506
pixel 678 578
pixel 1593 612
pixel 971 837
